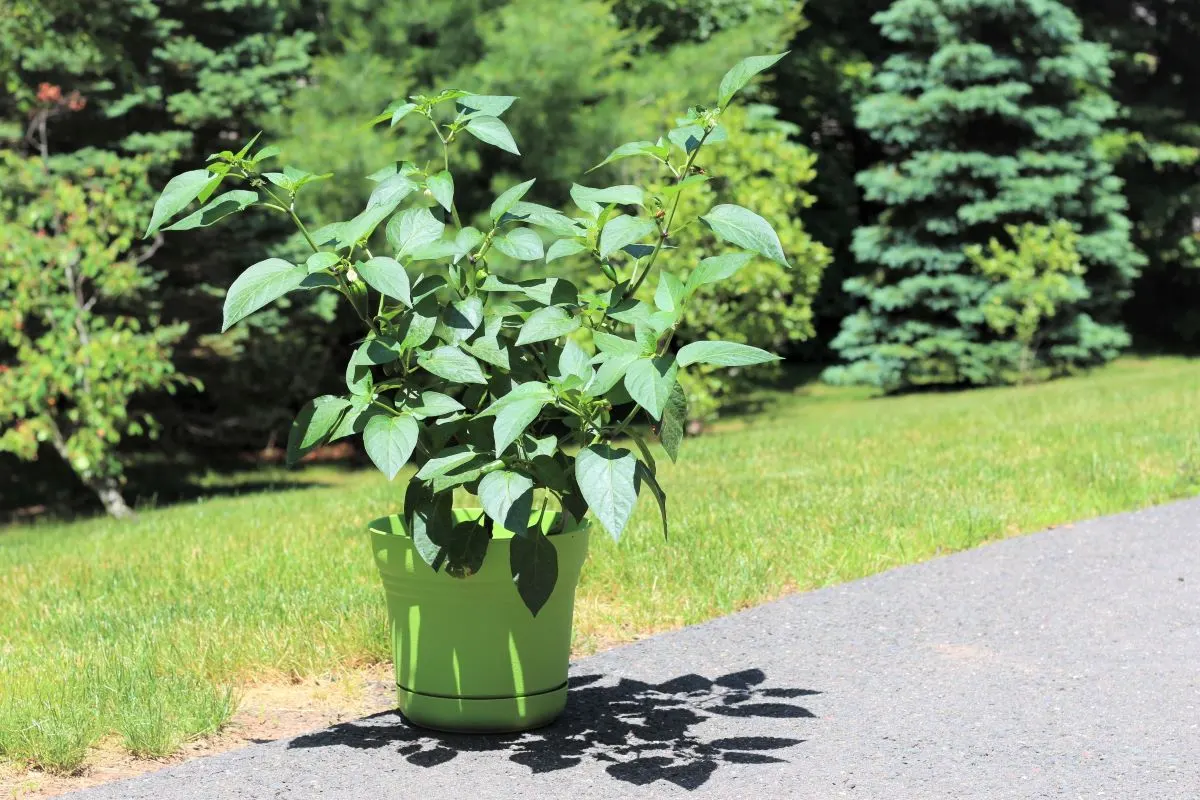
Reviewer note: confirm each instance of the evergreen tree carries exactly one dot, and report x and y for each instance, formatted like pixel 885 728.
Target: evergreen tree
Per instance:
pixel 988 112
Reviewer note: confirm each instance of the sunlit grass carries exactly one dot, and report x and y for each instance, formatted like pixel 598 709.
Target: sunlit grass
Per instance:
pixel 141 629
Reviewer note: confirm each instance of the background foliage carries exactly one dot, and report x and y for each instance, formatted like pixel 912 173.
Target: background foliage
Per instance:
pixel 166 81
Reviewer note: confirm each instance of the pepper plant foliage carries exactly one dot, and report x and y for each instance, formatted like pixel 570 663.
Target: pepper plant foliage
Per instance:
pixel 511 390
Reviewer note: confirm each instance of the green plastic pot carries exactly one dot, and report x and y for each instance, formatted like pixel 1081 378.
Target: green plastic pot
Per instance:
pixel 469 655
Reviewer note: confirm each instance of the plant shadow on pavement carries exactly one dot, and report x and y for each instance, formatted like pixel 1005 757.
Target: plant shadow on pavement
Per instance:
pixel 643 731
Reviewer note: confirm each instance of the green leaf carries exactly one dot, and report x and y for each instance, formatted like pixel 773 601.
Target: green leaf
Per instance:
pixel 741 74
pixel 574 361
pixel 607 479
pixel 377 350
pixel 412 229
pixel 509 198
pixel 312 426
pixel 611 371
pixel 649 382
pixel 674 421
pixel 547 323
pixel 507 497
pixel 492 105
pixel 419 325
pixel 633 149
pixel 534 565
pixel 489 350
pixel 361 411
pixel 550 291
pixel 520 243
pixel 467 548
pixel 452 364
pixel 492 131
pixel 723 354
pixel 622 230
pixel 386 276
pixel 220 207
pixel 548 218
pixel 609 343
pixel 321 261
pixel 358 378
pixel 446 460
pixel 177 194
pixel 743 228
pixel 390 441
pixel 260 284
pixel 669 293
pixel 435 404
pixel 441 186
pixel 563 248
pixel 515 411
pixel 385 198
pixel 459 320
pixel 401 112
pixel 466 473
pixel 590 200
pixel 717 268
pixel 430 521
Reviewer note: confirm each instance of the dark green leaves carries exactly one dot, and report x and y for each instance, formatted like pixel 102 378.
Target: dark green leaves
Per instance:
pixel 177 194
pixel 623 230
pixel 515 411
pixel 216 210
pixel 452 364
pixel 258 285
pixel 674 420
pixel 740 75
pixel 547 323
pixel 534 564
pixel 607 479
pixel 743 228
pixel 313 425
pixel 723 354
pixel 649 383
pixel 390 441
pixel 386 276
pixel 492 131
pixel 507 497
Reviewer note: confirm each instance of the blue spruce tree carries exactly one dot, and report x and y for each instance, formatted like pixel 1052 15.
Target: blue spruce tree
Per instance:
pixel 988 112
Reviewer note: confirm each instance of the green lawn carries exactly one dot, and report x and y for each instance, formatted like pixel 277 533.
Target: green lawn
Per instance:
pixel 143 630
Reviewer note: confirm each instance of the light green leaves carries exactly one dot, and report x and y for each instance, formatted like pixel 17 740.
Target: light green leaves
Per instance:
pixel 313 425
pixel 412 229
pixel 609 343
pixel 402 111
pixel 547 323
pixel 491 105
pixel 723 354
pixel 385 198
pixel 507 497
pixel 492 131
pixel 460 320
pixel 515 411
pixel 386 276
pixel 743 228
pixel 321 261
pixel 452 364
pixel 624 230
pixel 669 293
pixel 649 382
pixel 519 243
pixel 441 186
pixel 629 149
pixel 563 248
pixel 674 420
pixel 717 268
pixel 534 564
pixel 260 284
pixel 390 441
pixel 591 200
pixel 740 75
pixel 445 461
pixel 177 194
pixel 216 210
pixel 508 199
pixel 607 479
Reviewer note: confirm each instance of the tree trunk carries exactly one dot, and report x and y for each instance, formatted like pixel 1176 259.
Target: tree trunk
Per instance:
pixel 109 493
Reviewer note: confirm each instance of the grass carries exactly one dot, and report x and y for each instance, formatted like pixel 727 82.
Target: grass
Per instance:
pixel 144 630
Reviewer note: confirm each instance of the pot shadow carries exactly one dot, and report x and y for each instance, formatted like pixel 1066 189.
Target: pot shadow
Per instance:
pixel 642 731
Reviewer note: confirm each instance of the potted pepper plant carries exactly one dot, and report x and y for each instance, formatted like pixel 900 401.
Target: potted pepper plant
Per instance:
pixel 524 396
